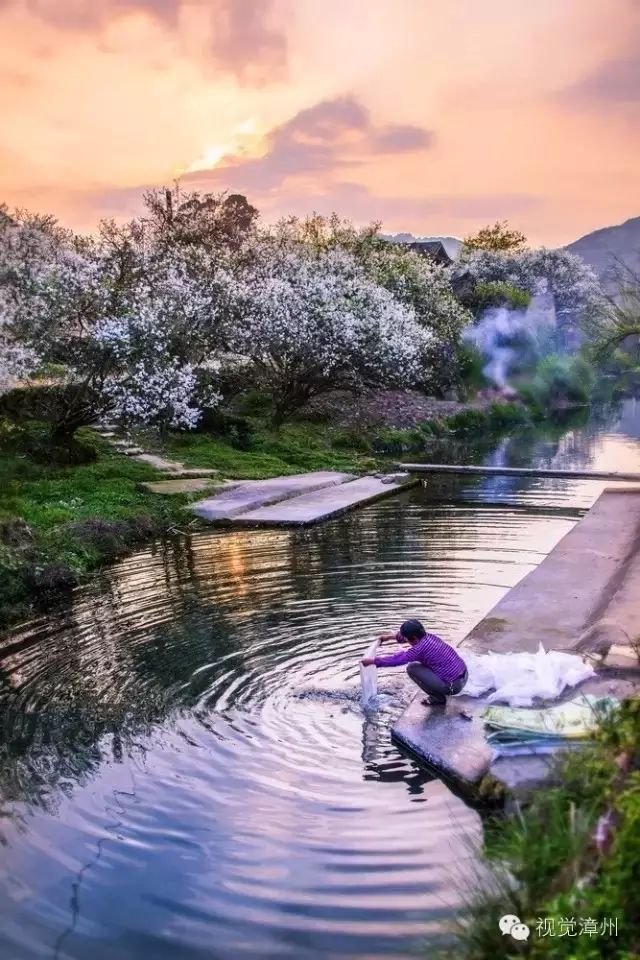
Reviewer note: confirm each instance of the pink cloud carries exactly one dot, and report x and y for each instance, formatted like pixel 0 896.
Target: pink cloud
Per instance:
pixel 244 43
pixel 331 135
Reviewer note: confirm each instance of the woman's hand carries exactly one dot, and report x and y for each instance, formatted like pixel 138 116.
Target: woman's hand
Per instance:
pixel 368 662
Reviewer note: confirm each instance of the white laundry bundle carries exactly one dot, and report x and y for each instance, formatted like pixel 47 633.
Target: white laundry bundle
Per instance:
pixel 368 676
pixel 518 678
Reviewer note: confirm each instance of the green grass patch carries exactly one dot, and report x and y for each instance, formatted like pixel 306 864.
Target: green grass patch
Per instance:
pixel 77 517
pixel 295 448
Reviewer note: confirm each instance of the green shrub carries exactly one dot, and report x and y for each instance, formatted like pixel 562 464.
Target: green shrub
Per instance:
pixel 254 403
pixel 559 383
pixel 471 369
pixel 503 415
pixel 498 293
pixel 40 443
pixel 350 438
pixel 50 371
pixel 394 442
pixel 231 381
pixel 238 430
pixel 468 420
pixel 542 862
pixel 64 406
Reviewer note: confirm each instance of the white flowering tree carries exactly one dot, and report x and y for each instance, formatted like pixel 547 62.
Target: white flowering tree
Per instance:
pixel 425 287
pixel 414 281
pixel 130 343
pixel 23 247
pixel 574 286
pixel 313 321
pixel 166 331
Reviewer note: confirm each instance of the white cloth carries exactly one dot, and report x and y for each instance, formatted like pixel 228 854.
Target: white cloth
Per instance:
pixel 518 678
pixel 369 676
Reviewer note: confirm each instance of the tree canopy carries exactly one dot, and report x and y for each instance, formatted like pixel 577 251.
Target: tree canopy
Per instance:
pixel 497 238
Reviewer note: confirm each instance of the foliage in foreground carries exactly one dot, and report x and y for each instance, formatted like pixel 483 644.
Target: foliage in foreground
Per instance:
pixel 572 854
pixel 60 522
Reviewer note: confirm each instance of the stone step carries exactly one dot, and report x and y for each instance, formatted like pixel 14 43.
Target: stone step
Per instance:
pixel 252 494
pixel 173 467
pixel 318 505
pixel 446 742
pixel 186 473
pixel 186 485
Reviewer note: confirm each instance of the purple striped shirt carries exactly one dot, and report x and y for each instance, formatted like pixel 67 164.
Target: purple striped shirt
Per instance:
pixel 433 653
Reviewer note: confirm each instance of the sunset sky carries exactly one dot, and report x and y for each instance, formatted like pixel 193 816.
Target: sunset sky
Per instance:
pixel 434 116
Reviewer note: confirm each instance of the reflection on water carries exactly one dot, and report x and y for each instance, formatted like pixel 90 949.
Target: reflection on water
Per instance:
pixel 186 771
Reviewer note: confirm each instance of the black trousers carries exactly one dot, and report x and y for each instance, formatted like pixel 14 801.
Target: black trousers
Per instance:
pixel 431 683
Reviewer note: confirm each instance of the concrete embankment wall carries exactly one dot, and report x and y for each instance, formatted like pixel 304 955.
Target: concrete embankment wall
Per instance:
pixel 593 573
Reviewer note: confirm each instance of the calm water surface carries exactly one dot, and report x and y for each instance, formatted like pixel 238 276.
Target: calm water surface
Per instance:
pixel 185 769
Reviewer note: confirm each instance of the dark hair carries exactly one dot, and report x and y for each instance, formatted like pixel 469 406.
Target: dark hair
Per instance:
pixel 412 630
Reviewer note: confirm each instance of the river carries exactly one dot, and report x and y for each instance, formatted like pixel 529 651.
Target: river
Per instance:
pixel 186 770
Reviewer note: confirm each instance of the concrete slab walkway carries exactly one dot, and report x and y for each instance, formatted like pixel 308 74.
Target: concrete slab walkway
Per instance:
pixel 322 504
pixel 252 494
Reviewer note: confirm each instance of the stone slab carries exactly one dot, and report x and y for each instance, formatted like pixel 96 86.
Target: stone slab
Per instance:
pixel 321 504
pixel 523 776
pixel 172 466
pixel 254 494
pixel 187 485
pixel 188 472
pixel 444 741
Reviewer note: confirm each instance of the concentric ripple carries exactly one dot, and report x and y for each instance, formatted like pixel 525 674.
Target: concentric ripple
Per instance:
pixel 186 770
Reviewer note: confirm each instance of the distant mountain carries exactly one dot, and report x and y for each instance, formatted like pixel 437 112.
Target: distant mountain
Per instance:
pixel 451 244
pixel 602 248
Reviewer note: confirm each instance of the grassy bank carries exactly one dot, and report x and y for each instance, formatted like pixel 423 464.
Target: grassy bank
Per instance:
pixel 59 524
pixel 320 446
pixel 567 865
